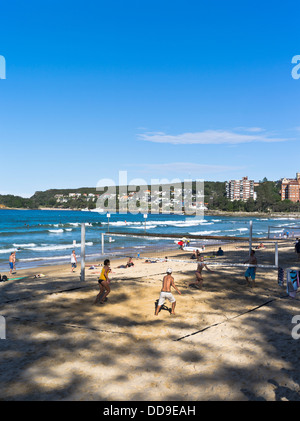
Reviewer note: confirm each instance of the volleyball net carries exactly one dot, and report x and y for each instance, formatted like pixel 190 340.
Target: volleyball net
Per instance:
pixel 216 251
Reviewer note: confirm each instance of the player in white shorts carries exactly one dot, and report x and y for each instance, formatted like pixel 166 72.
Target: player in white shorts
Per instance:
pixel 165 293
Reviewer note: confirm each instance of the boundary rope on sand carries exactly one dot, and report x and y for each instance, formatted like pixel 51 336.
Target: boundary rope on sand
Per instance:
pixel 227 320
pixel 126 333
pixel 129 334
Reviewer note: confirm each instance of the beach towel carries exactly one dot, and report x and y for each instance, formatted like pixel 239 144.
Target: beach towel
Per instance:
pixel 292 282
pixel 280 277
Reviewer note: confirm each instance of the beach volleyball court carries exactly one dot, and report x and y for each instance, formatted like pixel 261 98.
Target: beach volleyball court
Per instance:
pixel 226 342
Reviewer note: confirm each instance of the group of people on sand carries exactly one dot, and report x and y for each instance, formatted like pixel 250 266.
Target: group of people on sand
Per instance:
pixel 168 281
pixel 167 284
pixel 196 253
pixel 74 262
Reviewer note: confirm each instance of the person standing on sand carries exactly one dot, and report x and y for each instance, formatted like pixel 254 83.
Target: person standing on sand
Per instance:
pixel 73 261
pixel 11 262
pixel 168 282
pixel 104 282
pixel 251 271
pixel 199 279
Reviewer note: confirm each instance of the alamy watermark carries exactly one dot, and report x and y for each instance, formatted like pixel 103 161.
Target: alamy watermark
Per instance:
pixel 2 68
pixel 296 69
pixel 296 329
pixel 2 327
pixel 160 196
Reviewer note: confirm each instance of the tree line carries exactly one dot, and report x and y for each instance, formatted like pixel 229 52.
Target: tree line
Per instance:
pixel 268 199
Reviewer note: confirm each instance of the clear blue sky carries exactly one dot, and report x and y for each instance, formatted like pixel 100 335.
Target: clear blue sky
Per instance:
pixel 161 89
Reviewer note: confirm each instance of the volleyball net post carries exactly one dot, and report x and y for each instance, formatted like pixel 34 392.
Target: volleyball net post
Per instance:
pixel 82 255
pixel 102 243
pixel 250 237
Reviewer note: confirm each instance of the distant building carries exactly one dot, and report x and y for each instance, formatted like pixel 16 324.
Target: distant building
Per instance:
pixel 290 188
pixel 240 189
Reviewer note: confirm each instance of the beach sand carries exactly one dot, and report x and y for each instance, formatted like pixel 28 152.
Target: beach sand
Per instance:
pixel 226 342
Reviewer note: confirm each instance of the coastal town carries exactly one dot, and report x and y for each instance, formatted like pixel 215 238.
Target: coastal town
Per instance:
pixel 236 190
pixel 239 195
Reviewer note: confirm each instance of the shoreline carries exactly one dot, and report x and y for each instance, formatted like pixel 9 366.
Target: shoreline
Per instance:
pixel 161 254
pixel 206 213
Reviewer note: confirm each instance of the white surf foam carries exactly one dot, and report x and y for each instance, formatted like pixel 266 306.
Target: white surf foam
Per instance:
pixel 25 245
pixel 204 232
pixel 10 250
pixel 59 247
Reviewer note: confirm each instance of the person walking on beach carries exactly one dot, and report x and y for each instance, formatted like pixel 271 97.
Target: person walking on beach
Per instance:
pixel 251 271
pixel 199 279
pixel 11 262
pixel 168 282
pixel 104 283
pixel 73 261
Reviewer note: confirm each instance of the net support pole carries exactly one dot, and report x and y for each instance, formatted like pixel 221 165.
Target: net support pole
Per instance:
pixel 250 236
pixel 268 233
pixel 276 254
pixel 82 258
pixel 102 243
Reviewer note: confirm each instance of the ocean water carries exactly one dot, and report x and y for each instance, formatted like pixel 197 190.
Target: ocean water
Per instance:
pixel 44 237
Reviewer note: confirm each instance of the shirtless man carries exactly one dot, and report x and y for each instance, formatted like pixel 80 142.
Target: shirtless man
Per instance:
pixel 198 273
pixel 11 262
pixel 251 271
pixel 168 282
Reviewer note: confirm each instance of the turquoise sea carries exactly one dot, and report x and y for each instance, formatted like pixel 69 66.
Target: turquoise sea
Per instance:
pixel 44 237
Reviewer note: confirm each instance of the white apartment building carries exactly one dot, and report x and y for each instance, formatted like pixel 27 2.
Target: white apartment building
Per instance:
pixel 240 189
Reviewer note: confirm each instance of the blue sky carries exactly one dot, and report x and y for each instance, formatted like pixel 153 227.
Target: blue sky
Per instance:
pixel 161 89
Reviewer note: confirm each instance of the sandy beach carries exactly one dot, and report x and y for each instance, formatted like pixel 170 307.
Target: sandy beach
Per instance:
pixel 226 342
